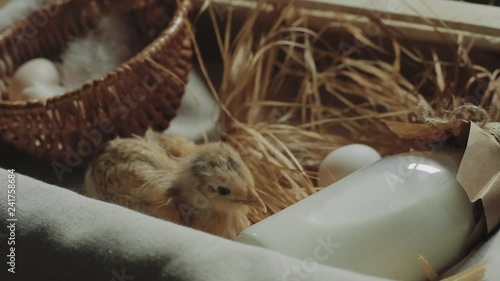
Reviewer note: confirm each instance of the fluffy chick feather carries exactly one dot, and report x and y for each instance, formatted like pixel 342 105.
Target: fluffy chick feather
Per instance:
pixel 207 187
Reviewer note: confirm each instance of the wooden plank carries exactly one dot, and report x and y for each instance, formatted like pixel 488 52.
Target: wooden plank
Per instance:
pixel 412 31
pixel 427 21
pixel 464 16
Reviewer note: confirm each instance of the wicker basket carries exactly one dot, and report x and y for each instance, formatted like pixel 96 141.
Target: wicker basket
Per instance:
pixel 143 92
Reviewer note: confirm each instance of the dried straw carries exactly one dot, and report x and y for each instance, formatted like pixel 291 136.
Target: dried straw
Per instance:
pixel 290 96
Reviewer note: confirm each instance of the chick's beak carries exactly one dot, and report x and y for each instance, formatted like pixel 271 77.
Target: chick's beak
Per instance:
pixel 253 200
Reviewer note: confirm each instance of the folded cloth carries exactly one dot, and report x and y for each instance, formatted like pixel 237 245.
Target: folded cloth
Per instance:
pixel 61 235
pixel 488 252
pixel 13 10
pixel 197 117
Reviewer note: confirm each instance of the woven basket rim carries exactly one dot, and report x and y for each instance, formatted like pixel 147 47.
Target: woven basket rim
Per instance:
pixel 169 33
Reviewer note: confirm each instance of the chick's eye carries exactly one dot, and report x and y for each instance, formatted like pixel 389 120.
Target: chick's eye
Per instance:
pixel 223 191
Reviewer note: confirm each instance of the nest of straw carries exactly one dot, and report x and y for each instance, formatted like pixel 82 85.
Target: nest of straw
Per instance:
pixel 292 92
pixel 290 95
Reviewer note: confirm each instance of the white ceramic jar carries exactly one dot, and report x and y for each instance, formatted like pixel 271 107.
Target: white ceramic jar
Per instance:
pixel 379 219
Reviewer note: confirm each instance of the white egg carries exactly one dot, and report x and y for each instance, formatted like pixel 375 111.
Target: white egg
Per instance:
pixel 42 92
pixel 36 71
pixel 344 161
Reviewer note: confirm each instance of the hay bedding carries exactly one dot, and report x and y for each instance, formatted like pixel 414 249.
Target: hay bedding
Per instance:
pixel 290 95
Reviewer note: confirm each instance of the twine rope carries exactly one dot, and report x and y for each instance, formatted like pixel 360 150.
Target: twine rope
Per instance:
pixel 467 112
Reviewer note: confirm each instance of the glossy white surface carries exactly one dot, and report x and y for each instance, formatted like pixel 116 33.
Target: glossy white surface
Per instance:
pixel 344 161
pixel 377 220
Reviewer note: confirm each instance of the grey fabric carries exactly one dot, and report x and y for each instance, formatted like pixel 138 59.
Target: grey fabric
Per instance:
pixel 61 235
pixel 15 9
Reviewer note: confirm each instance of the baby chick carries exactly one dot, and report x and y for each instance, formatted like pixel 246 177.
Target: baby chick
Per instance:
pixel 206 187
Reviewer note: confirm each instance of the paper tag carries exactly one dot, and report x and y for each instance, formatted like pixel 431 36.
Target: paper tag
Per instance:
pixel 479 173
